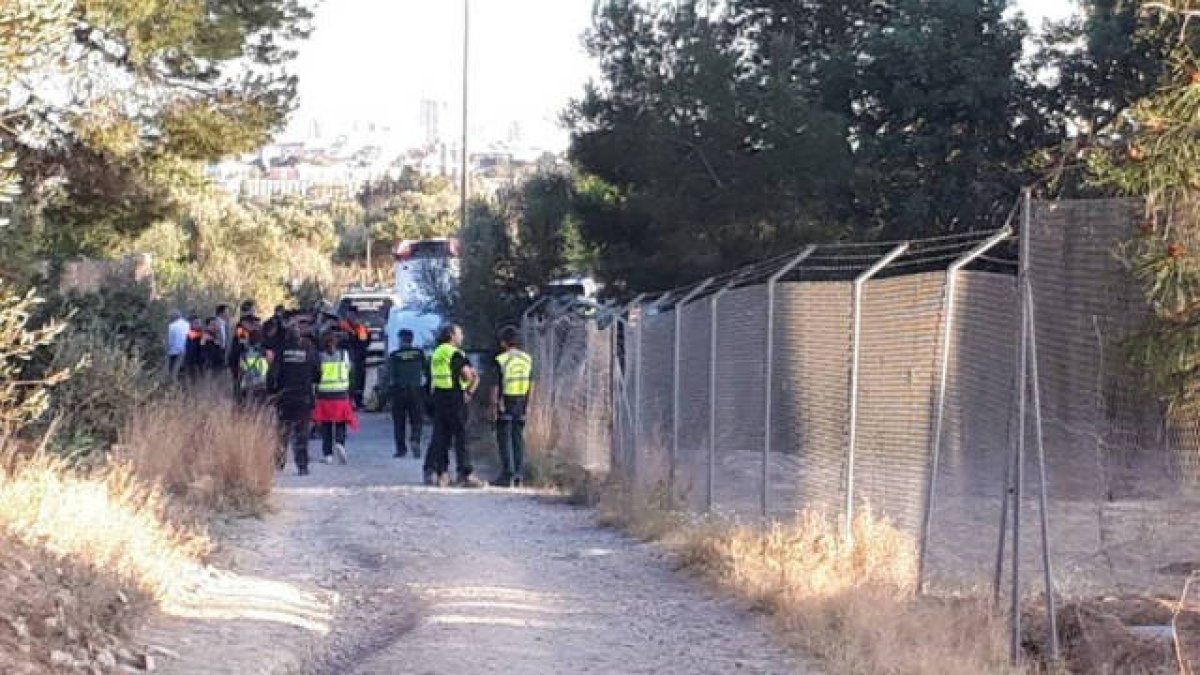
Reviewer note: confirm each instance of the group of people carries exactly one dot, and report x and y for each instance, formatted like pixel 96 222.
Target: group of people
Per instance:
pixel 311 366
pixel 254 352
pixel 444 384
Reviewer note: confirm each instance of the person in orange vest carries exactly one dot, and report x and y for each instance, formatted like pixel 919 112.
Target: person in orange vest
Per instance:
pixel 248 321
pixel 358 338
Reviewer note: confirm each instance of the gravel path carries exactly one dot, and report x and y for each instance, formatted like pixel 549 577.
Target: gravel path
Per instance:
pixel 363 571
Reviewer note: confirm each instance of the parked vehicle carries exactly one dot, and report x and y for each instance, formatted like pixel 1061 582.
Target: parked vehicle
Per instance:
pixel 374 308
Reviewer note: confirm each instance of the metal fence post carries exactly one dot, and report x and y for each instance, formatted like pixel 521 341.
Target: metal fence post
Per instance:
pixel 1035 385
pixel 770 358
pixel 948 308
pixel 637 393
pixel 630 416
pixel 855 349
pixel 1019 449
pixel 675 376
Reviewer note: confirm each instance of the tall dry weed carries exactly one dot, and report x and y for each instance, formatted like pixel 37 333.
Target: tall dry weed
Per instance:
pixel 108 520
pixel 82 556
pixel 849 602
pixel 203 448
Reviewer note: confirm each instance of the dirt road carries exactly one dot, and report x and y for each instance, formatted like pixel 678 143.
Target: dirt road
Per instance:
pixel 361 570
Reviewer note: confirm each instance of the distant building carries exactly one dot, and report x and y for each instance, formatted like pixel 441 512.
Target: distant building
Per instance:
pixel 431 114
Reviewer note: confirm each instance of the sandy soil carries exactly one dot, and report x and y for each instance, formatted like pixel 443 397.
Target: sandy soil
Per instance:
pixel 361 570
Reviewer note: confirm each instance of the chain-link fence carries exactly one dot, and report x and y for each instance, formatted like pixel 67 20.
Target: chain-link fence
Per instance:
pixel 889 375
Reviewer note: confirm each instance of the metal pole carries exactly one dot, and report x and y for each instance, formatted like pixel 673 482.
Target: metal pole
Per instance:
pixel 769 359
pixel 940 397
pixel 998 577
pixel 1048 571
pixel 675 376
pixel 637 393
pixel 465 188
pixel 855 344
pixel 1019 458
pixel 630 416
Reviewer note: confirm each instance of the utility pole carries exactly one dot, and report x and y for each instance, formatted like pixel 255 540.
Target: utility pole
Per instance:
pixel 462 221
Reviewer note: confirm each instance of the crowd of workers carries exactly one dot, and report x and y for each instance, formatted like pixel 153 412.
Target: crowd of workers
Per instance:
pixel 311 367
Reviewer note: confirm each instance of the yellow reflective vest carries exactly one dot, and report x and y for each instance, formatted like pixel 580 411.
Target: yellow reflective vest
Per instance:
pixel 335 373
pixel 440 369
pixel 516 372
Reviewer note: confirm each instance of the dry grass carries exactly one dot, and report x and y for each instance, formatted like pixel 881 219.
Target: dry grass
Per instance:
pixel 851 604
pixel 81 557
pixel 205 450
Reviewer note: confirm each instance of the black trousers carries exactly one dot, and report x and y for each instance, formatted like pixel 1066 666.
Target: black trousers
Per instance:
pixel 332 432
pixel 295 437
pixel 294 422
pixel 408 414
pixel 449 428
pixel 510 436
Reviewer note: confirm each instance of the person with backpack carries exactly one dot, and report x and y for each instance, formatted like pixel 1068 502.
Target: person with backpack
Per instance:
pixel 334 413
pixel 292 378
pixel 408 377
pixel 253 368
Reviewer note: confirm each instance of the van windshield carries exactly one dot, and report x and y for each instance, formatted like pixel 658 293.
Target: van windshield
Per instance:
pixel 373 311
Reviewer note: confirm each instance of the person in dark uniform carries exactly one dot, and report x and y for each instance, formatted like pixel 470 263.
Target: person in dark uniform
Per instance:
pixel 293 376
pixel 453 382
pixel 408 377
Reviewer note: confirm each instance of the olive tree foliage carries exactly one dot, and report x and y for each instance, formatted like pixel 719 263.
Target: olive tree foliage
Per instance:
pixel 23 400
pixel 111 104
pixel 31 32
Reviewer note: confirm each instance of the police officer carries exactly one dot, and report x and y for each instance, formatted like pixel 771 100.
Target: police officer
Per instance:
pixel 408 377
pixel 510 404
pixel 293 375
pixel 453 383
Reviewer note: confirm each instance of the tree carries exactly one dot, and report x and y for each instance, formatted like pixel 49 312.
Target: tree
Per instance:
pixel 716 137
pixel 1151 155
pixel 940 145
pixel 411 206
pixel 710 161
pixel 1086 72
pixel 159 87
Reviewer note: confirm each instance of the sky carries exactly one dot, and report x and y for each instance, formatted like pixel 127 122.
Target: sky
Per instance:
pixel 374 61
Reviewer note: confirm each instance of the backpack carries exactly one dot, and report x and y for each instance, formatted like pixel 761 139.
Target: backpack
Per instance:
pixel 253 370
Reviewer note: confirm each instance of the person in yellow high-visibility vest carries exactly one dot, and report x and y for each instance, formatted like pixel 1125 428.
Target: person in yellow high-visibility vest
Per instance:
pixel 452 383
pixel 334 411
pixel 510 404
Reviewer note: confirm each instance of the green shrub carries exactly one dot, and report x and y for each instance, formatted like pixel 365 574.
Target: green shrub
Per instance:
pixel 113 380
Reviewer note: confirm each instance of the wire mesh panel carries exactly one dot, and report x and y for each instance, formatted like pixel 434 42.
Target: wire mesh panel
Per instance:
pixel 810 374
pixel 654 422
pixel 900 338
pixel 1117 465
pixel 691 466
pixel 977 431
pixel 741 334
pixel 598 416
